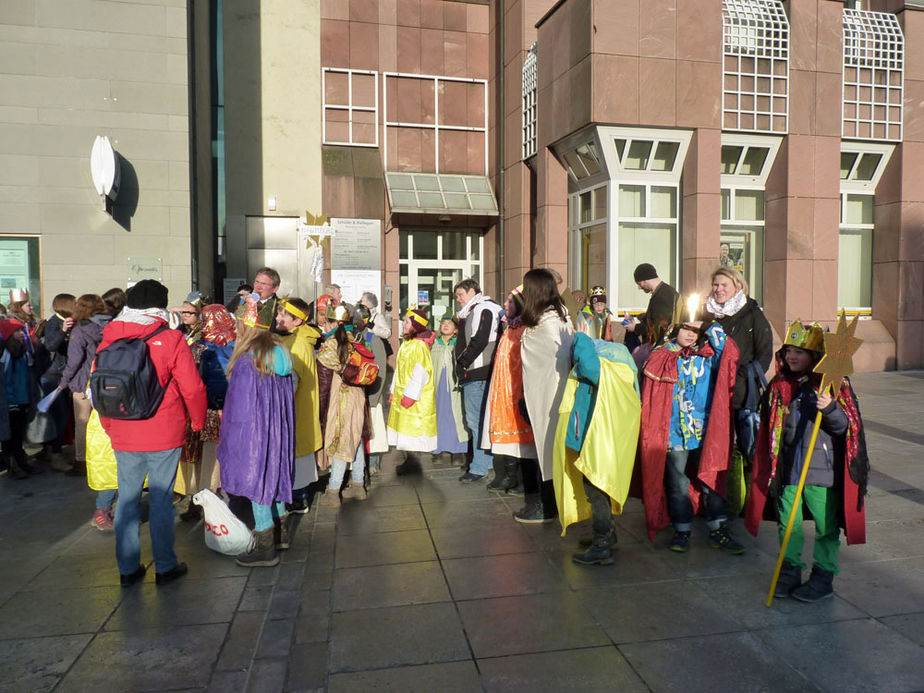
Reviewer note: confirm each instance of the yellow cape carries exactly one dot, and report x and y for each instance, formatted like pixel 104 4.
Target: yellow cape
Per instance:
pixel 102 474
pixel 608 454
pixel 420 419
pixel 307 409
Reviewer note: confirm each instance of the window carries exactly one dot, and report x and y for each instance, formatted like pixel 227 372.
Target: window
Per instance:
pixel 746 164
pixel 435 124
pixel 440 192
pixel 862 166
pixel 530 104
pixel 874 50
pixel 624 207
pixel 351 107
pixel 431 263
pixel 19 268
pixel 756 66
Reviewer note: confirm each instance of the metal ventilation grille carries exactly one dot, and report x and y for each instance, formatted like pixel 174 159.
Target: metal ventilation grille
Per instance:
pixel 756 66
pixel 874 57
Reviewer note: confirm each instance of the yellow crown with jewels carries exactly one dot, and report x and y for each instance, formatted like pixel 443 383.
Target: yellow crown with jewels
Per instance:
pixel 808 337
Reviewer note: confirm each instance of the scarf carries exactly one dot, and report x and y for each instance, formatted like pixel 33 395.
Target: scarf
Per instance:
pixel 466 310
pixel 729 308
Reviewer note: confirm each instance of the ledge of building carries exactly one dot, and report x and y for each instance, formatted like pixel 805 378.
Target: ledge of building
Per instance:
pixel 877 353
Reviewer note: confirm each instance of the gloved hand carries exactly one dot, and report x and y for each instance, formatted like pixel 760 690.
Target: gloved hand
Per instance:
pixel 407 402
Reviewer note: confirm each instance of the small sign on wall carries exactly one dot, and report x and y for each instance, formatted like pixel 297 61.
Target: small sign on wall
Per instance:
pixel 145 268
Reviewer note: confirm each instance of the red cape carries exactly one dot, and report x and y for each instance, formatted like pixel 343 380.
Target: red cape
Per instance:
pixel 852 513
pixel 659 377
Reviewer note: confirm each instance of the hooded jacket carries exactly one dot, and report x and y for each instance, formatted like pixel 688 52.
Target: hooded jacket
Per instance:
pixel 176 370
pixel 81 350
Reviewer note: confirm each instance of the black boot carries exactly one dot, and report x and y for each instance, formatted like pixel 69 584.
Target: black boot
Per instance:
pixel 599 553
pixel 497 484
pixel 790 578
pixel 818 587
pixel 16 470
pixel 610 537
pixel 263 551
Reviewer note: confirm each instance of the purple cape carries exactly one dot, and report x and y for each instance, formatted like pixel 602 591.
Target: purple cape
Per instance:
pixel 256 444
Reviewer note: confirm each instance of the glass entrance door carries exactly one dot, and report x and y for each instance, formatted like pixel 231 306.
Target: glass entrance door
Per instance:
pixel 432 263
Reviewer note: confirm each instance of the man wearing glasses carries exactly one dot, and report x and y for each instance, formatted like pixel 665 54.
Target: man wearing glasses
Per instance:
pixel 265 284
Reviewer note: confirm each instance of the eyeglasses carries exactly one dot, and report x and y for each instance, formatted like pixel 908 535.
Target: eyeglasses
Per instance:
pixel 188 312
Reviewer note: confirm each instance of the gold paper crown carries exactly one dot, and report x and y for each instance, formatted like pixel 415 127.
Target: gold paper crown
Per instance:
pixel 808 337
pixel 598 291
pixel 338 313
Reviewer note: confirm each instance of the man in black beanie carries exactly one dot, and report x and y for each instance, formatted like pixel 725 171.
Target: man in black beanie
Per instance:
pixel 150 447
pixel 649 328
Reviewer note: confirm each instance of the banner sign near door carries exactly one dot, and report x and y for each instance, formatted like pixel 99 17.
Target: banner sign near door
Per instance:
pixel 357 245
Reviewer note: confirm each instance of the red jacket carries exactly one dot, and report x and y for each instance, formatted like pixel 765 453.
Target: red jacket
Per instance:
pixel 173 361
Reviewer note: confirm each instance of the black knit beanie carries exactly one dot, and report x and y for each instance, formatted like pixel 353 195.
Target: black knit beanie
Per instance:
pixel 645 271
pixel 148 293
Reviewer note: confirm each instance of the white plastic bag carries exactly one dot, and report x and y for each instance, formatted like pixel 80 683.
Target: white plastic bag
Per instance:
pixel 224 532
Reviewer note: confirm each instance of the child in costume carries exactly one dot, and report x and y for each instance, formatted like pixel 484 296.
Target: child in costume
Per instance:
pixel 412 417
pixel 346 411
pixel 836 481
pixel 595 442
pixel 301 338
pixel 256 446
pixel 686 436
pixel 595 319
pixel 451 437
pixel 507 433
pixel 364 329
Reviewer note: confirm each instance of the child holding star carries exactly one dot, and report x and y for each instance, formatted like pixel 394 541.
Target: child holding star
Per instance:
pixel 838 469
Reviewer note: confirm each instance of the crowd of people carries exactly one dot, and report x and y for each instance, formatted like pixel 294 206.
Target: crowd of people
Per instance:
pixel 278 403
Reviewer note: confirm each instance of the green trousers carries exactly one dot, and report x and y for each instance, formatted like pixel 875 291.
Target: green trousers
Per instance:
pixel 822 503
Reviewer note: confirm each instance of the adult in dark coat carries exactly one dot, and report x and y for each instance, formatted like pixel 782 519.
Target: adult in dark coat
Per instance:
pixel 743 320
pixel 649 329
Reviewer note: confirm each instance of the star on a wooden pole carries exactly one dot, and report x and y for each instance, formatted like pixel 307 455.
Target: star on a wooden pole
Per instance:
pixel 840 346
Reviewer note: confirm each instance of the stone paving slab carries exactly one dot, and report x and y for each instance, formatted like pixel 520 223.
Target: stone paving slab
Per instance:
pixel 430 585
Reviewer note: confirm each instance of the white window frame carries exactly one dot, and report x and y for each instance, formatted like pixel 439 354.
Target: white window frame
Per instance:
pixel 851 184
pixel 530 102
pixel 873 41
pixel 349 107
pixel 756 30
pixel 435 125
pixel 577 228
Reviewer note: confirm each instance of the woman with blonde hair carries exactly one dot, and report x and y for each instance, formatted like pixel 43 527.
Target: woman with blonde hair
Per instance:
pixel 743 320
pixel 256 445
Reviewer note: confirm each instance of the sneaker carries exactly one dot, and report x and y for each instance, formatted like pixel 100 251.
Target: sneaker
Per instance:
pixel 680 542
pixel 721 539
pixel 102 519
pixel 533 514
pixel 299 506
pixel 469 478
pixel 177 571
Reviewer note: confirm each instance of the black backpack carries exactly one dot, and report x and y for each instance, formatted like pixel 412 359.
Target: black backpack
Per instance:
pixel 124 383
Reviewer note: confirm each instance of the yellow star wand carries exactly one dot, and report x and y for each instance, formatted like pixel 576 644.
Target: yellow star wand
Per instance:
pixel 835 365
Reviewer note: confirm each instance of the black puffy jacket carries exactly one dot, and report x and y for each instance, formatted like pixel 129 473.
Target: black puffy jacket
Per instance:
pixel 751 332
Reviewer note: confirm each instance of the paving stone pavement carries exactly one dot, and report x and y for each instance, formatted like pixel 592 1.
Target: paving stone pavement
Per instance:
pixel 431 586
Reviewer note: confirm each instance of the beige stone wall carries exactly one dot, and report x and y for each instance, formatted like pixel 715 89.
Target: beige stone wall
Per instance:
pixel 272 74
pixel 74 69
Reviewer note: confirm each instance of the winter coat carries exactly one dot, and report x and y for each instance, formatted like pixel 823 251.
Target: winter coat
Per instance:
pixel 81 351
pixel 546 354
pixel 346 407
pixel 301 343
pixel 479 330
pixel 751 332
pixel 56 341
pixel 176 370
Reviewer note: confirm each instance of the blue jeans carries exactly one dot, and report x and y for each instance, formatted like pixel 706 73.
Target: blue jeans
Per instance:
pixel 263 515
pixel 338 469
pixel 678 483
pixel 160 469
pixel 473 398
pixel 105 498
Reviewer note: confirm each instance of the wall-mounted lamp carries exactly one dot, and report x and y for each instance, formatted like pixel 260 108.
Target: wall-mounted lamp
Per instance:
pixel 105 170
pixel 271 203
